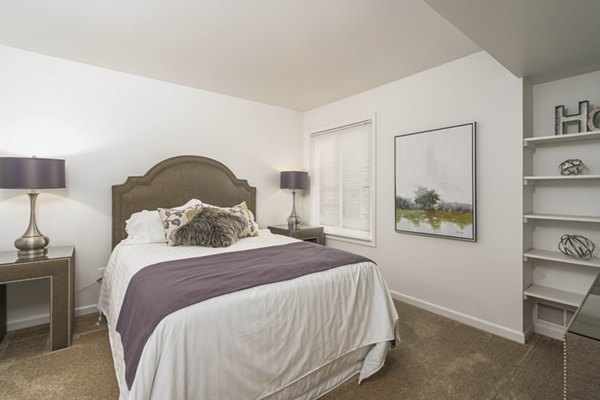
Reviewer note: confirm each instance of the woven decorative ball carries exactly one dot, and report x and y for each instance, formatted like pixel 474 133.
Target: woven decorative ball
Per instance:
pixel 572 166
pixel 576 246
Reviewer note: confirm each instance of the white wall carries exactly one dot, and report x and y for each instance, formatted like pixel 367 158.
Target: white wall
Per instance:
pixel 108 126
pixel 478 283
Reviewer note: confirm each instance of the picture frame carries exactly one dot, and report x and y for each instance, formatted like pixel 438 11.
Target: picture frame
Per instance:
pixel 435 183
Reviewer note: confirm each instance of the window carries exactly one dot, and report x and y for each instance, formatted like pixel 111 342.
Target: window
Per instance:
pixel 343 181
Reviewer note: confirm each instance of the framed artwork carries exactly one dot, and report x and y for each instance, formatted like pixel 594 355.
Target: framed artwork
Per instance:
pixel 435 183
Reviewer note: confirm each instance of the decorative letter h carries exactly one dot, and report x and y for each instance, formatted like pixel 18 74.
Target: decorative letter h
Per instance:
pixel 561 119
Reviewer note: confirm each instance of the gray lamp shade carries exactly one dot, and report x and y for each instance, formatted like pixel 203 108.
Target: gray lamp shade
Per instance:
pixel 294 180
pixel 31 173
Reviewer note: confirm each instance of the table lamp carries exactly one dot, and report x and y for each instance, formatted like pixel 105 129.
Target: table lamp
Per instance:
pixel 294 180
pixel 32 173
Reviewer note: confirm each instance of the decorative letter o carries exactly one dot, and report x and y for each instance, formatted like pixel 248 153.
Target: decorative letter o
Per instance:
pixel 593 123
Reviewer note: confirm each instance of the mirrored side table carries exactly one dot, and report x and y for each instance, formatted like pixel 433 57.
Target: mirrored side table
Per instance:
pixel 582 349
pixel 58 267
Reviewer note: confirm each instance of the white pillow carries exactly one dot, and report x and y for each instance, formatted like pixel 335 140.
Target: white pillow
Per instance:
pixel 146 226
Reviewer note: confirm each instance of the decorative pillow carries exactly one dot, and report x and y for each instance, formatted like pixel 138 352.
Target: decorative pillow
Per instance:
pixel 175 218
pixel 144 227
pixel 211 227
pixel 251 228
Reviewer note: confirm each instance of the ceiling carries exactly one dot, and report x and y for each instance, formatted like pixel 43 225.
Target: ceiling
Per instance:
pixel 302 54
pixel 298 54
pixel 541 40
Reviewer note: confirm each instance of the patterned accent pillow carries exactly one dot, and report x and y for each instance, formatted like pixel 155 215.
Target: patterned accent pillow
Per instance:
pixel 241 210
pixel 175 218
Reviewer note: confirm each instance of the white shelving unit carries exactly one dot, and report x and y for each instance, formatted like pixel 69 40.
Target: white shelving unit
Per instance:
pixel 552 302
pixel 573 137
pixel 553 295
pixel 560 217
pixel 560 257
pixel 526 179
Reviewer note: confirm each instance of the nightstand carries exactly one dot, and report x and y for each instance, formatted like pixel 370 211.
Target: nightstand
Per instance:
pixel 59 267
pixel 307 233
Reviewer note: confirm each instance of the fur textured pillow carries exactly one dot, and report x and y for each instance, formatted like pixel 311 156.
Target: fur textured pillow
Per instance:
pixel 242 210
pixel 211 227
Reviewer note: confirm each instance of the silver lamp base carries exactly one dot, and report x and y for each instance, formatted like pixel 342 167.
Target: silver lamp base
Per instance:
pixel 32 244
pixel 294 215
pixel 297 220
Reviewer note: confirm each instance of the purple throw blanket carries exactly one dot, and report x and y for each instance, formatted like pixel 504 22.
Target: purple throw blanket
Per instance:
pixel 160 289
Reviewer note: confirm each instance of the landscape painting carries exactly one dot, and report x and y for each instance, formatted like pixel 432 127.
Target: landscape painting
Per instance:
pixel 435 182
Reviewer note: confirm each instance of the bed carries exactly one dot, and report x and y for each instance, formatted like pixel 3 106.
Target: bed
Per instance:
pixel 294 339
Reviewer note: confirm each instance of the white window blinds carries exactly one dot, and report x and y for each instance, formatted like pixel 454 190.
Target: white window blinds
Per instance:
pixel 343 180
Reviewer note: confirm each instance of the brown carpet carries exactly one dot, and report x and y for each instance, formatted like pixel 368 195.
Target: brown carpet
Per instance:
pixel 438 359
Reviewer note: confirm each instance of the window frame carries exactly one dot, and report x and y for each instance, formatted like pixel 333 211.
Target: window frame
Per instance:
pixel 339 233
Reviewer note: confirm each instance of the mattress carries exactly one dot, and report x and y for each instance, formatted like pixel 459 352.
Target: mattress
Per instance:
pixel 294 339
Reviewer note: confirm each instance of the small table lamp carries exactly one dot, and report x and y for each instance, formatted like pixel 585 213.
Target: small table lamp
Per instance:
pixel 294 180
pixel 32 173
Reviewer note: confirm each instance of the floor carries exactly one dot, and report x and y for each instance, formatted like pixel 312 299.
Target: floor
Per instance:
pixel 438 359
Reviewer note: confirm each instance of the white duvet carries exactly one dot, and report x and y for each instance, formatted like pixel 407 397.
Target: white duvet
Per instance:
pixel 295 339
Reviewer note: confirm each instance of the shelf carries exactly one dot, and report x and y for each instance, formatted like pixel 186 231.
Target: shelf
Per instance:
pixel 559 178
pixel 555 295
pixel 558 217
pixel 573 137
pixel 559 257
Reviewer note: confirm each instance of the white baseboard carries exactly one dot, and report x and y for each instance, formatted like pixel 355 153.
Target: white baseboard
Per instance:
pixel 85 310
pixel 487 326
pixel 45 318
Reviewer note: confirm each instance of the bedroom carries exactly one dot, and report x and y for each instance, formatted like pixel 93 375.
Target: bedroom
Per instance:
pixel 114 89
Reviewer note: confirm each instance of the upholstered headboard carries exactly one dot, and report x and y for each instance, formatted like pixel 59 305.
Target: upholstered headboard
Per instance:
pixel 172 183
